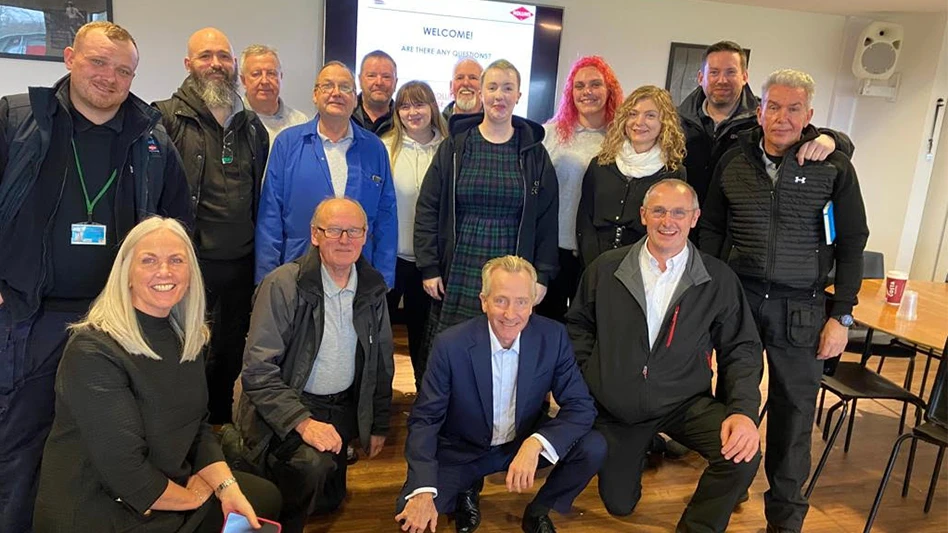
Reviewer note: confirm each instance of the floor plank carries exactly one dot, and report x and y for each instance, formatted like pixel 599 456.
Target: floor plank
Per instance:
pixel 840 502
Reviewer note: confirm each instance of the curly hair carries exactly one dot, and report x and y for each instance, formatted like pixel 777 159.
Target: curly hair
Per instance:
pixel 671 139
pixel 567 116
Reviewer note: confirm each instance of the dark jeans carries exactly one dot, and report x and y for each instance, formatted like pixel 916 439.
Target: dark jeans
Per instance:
pixel 263 496
pixel 309 480
pixel 415 312
pixel 790 327
pixel 697 425
pixel 229 289
pixel 562 288
pixel 568 478
pixel 30 351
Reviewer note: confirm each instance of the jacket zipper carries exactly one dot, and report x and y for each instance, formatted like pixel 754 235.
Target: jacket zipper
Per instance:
pixel 772 244
pixel 49 224
pixel 523 206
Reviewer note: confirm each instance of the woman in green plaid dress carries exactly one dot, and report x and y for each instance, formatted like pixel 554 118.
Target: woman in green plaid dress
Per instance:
pixel 490 191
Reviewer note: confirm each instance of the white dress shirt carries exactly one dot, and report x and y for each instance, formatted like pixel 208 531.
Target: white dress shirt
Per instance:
pixel 659 286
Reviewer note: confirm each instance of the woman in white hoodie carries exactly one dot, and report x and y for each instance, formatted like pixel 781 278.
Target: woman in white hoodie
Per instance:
pixel 643 145
pixel 418 130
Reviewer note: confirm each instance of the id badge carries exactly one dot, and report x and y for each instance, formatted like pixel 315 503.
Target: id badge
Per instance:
pixel 88 234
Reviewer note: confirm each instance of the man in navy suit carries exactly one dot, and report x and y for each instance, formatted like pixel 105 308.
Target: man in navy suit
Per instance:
pixel 481 410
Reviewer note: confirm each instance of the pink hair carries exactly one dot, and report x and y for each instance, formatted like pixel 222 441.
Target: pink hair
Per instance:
pixel 567 116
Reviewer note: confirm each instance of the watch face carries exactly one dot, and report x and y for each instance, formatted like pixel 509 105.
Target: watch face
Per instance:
pixel 846 320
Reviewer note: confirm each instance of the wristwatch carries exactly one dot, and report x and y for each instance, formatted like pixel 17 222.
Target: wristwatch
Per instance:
pixel 846 320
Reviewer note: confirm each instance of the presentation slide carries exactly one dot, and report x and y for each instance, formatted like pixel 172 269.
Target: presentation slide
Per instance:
pixel 427 38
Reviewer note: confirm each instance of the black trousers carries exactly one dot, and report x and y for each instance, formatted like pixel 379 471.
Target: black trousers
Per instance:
pixel 562 288
pixel 566 481
pixel 790 327
pixel 229 289
pixel 415 312
pixel 263 496
pixel 312 481
pixel 30 351
pixel 697 425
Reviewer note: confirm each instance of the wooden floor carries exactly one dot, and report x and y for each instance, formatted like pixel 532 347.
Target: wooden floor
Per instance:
pixel 840 502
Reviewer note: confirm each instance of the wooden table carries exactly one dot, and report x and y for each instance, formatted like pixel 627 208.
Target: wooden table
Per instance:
pixel 931 327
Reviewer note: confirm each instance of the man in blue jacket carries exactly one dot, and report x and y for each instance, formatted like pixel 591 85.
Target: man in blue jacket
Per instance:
pixel 481 410
pixel 81 163
pixel 330 156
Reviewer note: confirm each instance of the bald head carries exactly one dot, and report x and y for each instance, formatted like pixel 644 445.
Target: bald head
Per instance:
pixel 211 62
pixel 208 37
pixel 328 207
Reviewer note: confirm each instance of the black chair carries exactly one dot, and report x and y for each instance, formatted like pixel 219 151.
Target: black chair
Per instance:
pixel 934 430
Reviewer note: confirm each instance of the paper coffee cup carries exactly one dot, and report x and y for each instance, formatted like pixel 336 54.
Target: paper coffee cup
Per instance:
pixel 894 286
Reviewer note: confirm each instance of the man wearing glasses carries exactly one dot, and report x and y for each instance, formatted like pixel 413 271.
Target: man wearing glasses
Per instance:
pixel 377 79
pixel 327 157
pixel 644 323
pixel 318 367
pixel 224 150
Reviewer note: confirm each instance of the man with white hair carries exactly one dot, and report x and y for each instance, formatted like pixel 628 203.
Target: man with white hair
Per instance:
pixel 262 76
pixel 465 88
pixel 770 209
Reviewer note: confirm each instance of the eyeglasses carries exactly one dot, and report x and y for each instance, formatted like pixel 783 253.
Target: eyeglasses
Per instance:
pixel 677 214
pixel 327 87
pixel 336 233
pixel 227 151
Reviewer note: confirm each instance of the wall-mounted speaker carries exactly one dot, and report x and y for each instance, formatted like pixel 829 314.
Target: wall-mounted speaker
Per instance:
pixel 877 51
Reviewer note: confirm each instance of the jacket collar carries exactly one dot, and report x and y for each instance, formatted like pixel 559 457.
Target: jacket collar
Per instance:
pixel 750 143
pixel 530 133
pixel 140 118
pixel 310 280
pixel 195 107
pixel 358 132
pixel 692 106
pixel 629 272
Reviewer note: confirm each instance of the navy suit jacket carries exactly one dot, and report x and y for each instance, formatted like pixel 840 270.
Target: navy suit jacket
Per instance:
pixel 452 419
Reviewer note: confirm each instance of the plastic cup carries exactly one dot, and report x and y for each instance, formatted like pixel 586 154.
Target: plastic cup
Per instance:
pixel 908 310
pixel 894 286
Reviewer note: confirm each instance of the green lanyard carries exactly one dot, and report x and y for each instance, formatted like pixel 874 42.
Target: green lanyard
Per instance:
pixel 90 204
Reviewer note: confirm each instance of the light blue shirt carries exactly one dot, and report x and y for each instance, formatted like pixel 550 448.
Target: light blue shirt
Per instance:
pixel 334 368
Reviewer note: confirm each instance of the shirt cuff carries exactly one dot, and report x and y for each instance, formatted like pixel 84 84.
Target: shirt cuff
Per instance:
pixel 549 452
pixel 422 490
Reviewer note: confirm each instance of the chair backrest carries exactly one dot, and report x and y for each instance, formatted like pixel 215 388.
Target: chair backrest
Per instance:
pixel 873 265
pixel 937 411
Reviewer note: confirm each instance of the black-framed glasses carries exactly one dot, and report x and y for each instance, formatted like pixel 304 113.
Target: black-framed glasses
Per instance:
pixel 336 233
pixel 227 150
pixel 679 213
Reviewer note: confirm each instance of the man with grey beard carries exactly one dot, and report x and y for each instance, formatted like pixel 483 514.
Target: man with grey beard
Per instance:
pixel 224 149
pixel 465 88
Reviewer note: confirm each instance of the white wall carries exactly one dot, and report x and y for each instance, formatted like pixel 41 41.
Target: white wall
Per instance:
pixel 891 137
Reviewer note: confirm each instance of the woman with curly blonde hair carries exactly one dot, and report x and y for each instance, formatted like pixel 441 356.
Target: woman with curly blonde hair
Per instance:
pixel 643 145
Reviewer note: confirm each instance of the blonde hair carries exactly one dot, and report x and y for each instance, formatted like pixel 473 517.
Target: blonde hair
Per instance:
pixel 671 140
pixel 511 264
pixel 413 92
pixel 110 29
pixel 502 64
pixel 112 311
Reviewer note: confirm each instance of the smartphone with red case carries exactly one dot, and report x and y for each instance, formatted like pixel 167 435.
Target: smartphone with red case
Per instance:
pixel 238 523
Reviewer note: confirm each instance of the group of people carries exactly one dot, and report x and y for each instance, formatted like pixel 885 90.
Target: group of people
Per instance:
pixel 229 249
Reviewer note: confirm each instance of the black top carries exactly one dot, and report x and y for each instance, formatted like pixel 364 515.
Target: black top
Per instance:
pixel 80 271
pixel 125 424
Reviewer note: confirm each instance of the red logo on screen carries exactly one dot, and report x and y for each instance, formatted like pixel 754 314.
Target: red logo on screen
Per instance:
pixel 521 13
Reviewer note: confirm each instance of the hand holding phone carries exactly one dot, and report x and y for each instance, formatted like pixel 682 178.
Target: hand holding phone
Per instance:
pixel 238 523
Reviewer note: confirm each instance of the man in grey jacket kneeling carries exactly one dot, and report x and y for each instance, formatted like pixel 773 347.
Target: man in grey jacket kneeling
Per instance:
pixel 318 365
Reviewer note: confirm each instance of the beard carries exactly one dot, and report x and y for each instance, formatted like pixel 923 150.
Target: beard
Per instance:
pixel 216 92
pixel 466 103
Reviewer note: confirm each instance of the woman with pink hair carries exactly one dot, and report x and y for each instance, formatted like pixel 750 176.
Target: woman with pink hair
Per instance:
pixel 573 137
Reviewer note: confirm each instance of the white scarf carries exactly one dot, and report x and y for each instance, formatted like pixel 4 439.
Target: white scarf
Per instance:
pixel 635 165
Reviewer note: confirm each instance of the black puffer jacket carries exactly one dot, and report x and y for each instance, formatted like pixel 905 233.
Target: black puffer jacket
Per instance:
pixel 434 214
pixel 776 229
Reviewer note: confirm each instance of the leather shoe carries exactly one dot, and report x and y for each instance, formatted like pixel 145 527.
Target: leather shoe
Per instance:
pixel 537 524
pixel 775 529
pixel 467 514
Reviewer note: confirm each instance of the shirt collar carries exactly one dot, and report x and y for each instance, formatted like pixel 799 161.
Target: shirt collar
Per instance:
pixel 81 124
pixel 347 137
pixel 495 345
pixel 279 112
pixel 330 289
pixel 676 262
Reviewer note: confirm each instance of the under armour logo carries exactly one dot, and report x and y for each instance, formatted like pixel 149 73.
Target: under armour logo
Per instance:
pixel 799 179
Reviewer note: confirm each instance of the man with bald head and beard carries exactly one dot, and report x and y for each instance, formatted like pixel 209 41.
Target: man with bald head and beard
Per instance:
pixel 224 147
pixel 81 163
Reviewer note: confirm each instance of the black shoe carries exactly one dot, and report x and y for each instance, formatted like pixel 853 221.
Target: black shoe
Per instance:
pixel 537 524
pixel 775 529
pixel 352 456
pixel 467 514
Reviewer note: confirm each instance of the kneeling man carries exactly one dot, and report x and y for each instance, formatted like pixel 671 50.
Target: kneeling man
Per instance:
pixel 481 410
pixel 318 365
pixel 644 322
